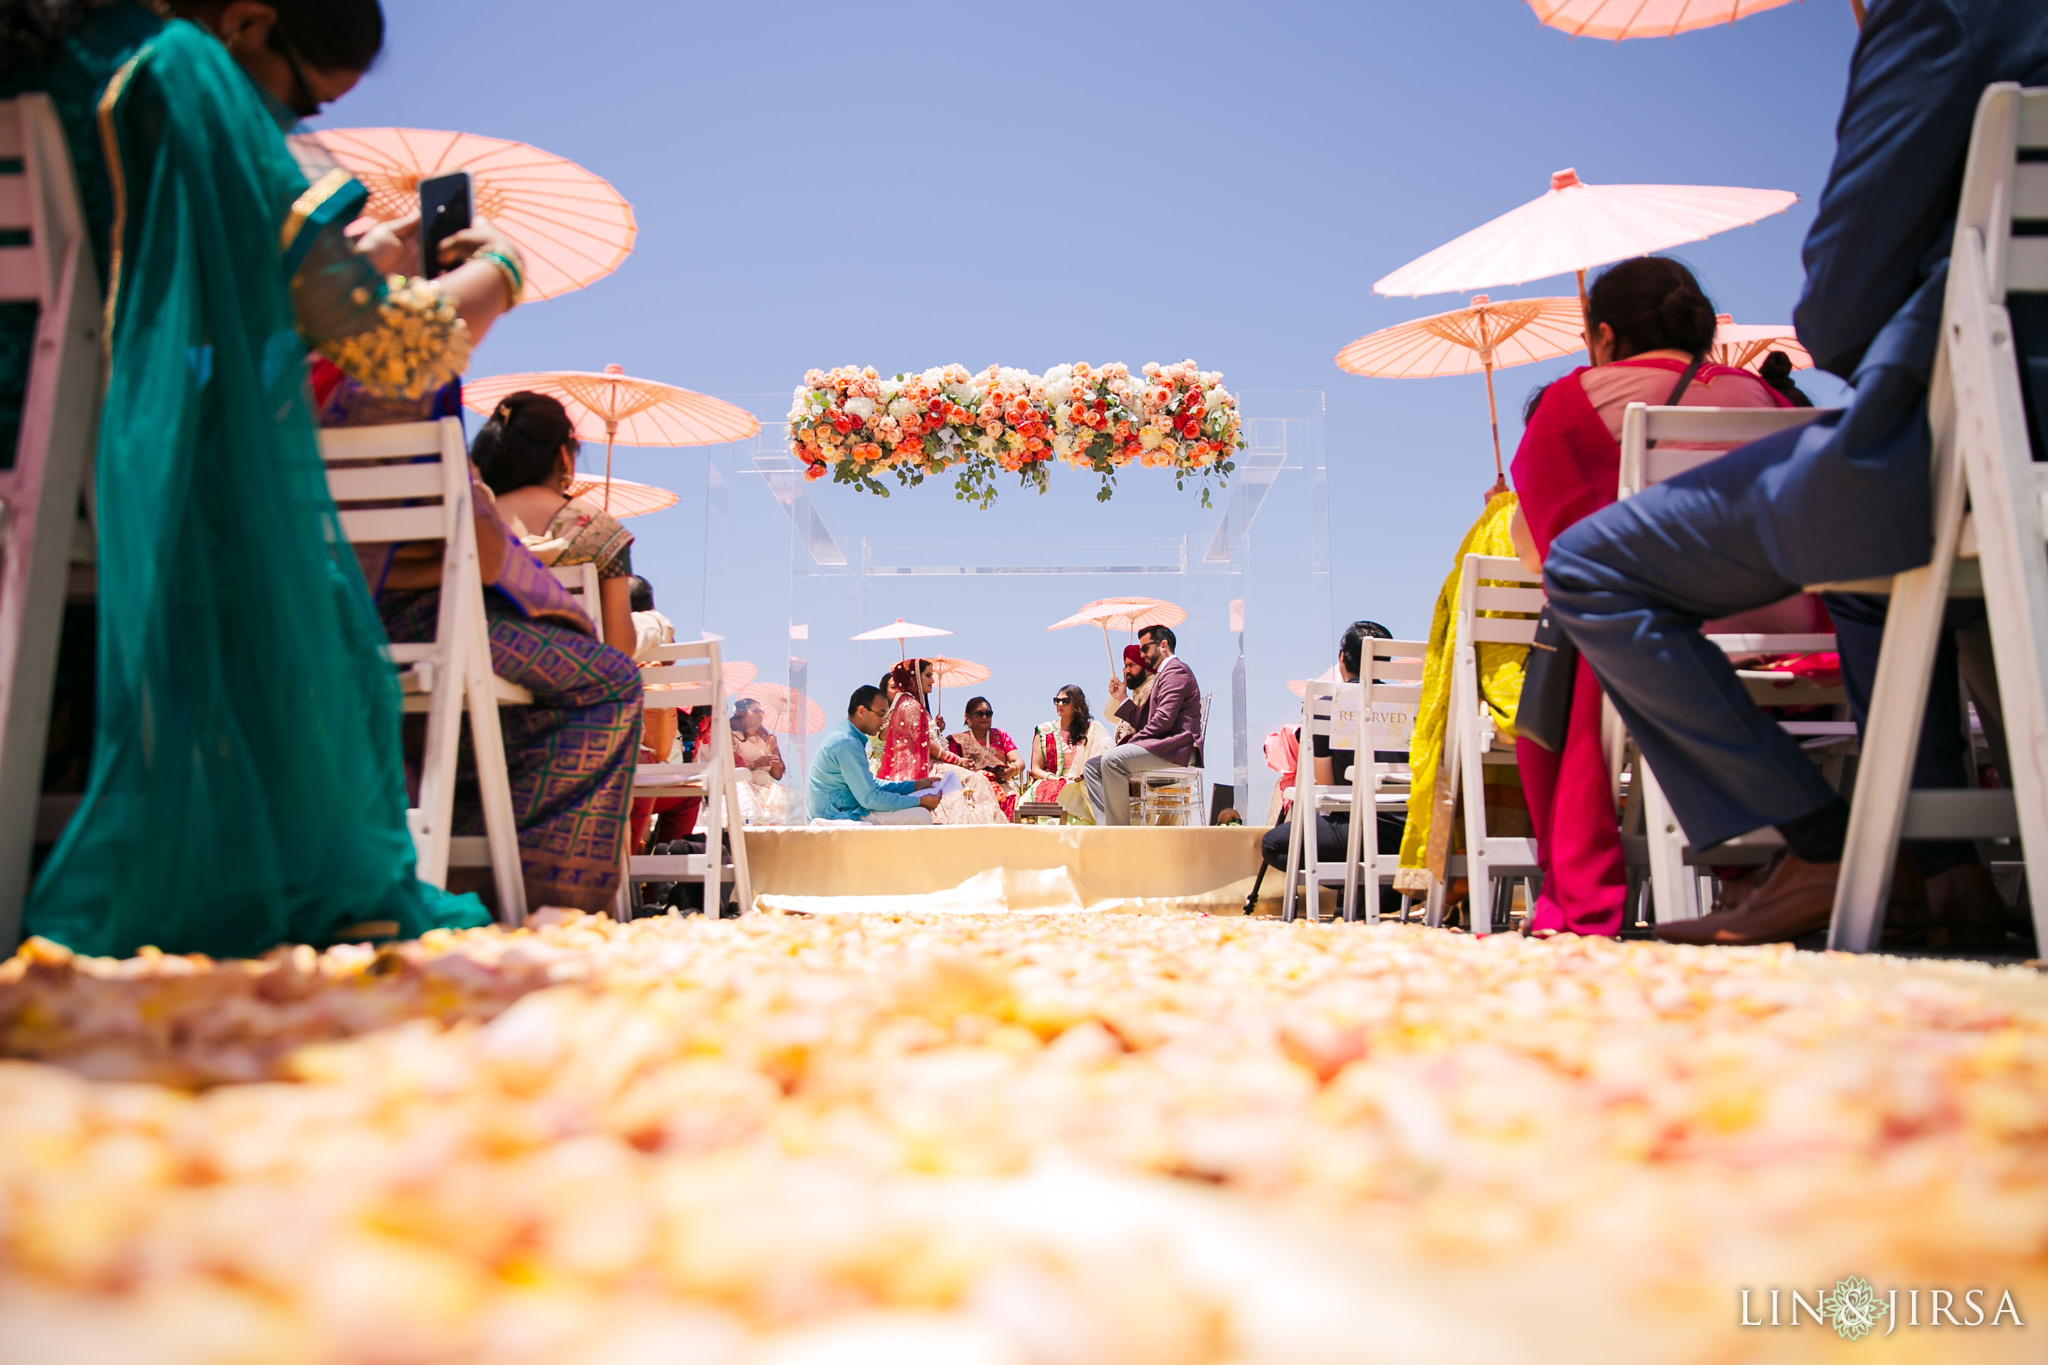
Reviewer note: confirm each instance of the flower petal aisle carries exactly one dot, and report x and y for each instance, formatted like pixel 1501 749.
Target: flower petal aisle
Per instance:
pixel 1008 1139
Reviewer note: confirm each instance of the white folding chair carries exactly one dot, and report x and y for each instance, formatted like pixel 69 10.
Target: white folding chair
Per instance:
pixel 581 582
pixel 410 482
pixel 1990 499
pixel 40 494
pixel 678 677
pixel 1356 716
pixel 1489 585
pixel 1660 443
pixel 1174 796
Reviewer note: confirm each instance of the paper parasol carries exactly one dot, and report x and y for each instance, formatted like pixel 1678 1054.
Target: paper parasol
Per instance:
pixel 614 406
pixel 785 710
pixel 900 631
pixel 1576 226
pixel 1746 345
pixel 628 499
pixel 1125 613
pixel 1485 336
pixel 1618 19
pixel 571 227
pixel 949 672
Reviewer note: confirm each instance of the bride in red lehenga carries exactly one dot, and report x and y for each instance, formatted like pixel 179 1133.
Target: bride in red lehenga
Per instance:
pixel 912 749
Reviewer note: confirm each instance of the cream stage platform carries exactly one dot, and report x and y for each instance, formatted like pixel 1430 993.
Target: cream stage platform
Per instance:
pixel 1039 867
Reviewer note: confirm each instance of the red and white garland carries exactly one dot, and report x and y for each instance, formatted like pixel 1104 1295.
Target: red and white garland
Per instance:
pixel 853 424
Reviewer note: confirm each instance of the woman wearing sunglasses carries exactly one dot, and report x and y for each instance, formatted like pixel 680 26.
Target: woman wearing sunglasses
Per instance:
pixel 984 749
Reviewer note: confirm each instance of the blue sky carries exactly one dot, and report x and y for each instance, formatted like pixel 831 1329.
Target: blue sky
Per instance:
pixel 907 185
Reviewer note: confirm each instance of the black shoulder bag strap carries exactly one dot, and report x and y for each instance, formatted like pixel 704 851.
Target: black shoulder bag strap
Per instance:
pixel 1544 712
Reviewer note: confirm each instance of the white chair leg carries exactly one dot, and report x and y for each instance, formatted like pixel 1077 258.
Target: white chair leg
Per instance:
pixel 1898 700
pixel 1294 865
pixel 742 879
pixel 2008 488
pixel 1354 852
pixel 1671 881
pixel 494 785
pixel 1478 869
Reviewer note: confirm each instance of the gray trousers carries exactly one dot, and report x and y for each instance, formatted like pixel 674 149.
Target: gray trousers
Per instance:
pixel 1109 780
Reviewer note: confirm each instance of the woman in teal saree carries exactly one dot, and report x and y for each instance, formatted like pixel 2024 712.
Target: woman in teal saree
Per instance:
pixel 246 787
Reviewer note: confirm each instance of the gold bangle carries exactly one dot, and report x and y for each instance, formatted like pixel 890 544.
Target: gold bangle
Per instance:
pixel 506 272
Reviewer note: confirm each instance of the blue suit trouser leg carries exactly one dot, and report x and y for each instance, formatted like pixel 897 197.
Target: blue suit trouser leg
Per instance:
pixel 1632 584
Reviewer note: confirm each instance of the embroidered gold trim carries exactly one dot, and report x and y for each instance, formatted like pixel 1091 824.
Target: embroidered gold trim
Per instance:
pixel 308 203
pixel 110 147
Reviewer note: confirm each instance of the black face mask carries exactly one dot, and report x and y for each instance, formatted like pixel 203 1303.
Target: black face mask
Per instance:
pixel 302 101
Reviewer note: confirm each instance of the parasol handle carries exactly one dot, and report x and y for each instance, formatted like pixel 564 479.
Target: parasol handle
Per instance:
pixel 611 430
pixel 1586 316
pixel 1493 414
pixel 1860 11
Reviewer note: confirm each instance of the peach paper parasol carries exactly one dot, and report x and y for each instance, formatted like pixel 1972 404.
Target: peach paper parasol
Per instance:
pixel 899 631
pixel 1618 19
pixel 1745 346
pixel 784 709
pixel 571 227
pixel 949 672
pixel 614 406
pixel 1575 227
pixel 1126 614
pixel 1483 336
pixel 628 499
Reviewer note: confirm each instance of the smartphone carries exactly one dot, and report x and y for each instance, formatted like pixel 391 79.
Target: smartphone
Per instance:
pixel 444 211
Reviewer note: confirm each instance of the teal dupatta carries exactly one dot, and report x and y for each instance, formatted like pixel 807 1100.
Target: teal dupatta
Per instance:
pixel 246 787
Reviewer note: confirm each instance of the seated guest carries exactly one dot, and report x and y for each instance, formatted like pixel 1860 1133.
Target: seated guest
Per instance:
pixel 842 788
pixel 911 749
pixel 571 753
pixel 1138 679
pixel 1166 729
pixel 1651 330
pixel 1332 768
pixel 762 797
pixel 1845 498
pixel 1060 747
pixel 527 454
pixel 984 749
pixel 660 727
pixel 650 628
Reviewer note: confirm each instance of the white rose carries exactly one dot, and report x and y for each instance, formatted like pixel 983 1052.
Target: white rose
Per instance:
pixel 862 408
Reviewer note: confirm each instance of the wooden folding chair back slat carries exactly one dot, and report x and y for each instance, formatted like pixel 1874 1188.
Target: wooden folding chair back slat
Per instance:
pixel 410 482
pixel 677 677
pixel 1990 495
pixel 41 494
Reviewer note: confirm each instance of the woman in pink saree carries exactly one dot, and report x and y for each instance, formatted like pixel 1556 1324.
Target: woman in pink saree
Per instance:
pixel 1651 328
pixel 910 750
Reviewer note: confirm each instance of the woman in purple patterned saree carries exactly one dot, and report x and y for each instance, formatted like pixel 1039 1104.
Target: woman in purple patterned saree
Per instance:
pixel 571 753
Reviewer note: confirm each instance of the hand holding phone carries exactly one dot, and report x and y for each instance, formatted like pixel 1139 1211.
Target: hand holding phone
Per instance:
pixel 445 209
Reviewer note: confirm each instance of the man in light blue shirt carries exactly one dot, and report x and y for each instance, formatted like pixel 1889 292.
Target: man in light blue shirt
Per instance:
pixel 842 788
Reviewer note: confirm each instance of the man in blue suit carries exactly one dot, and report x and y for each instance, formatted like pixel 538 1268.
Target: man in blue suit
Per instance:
pixel 1846 498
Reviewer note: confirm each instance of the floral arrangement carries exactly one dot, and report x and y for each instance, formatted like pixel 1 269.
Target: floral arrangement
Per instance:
pixel 853 424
